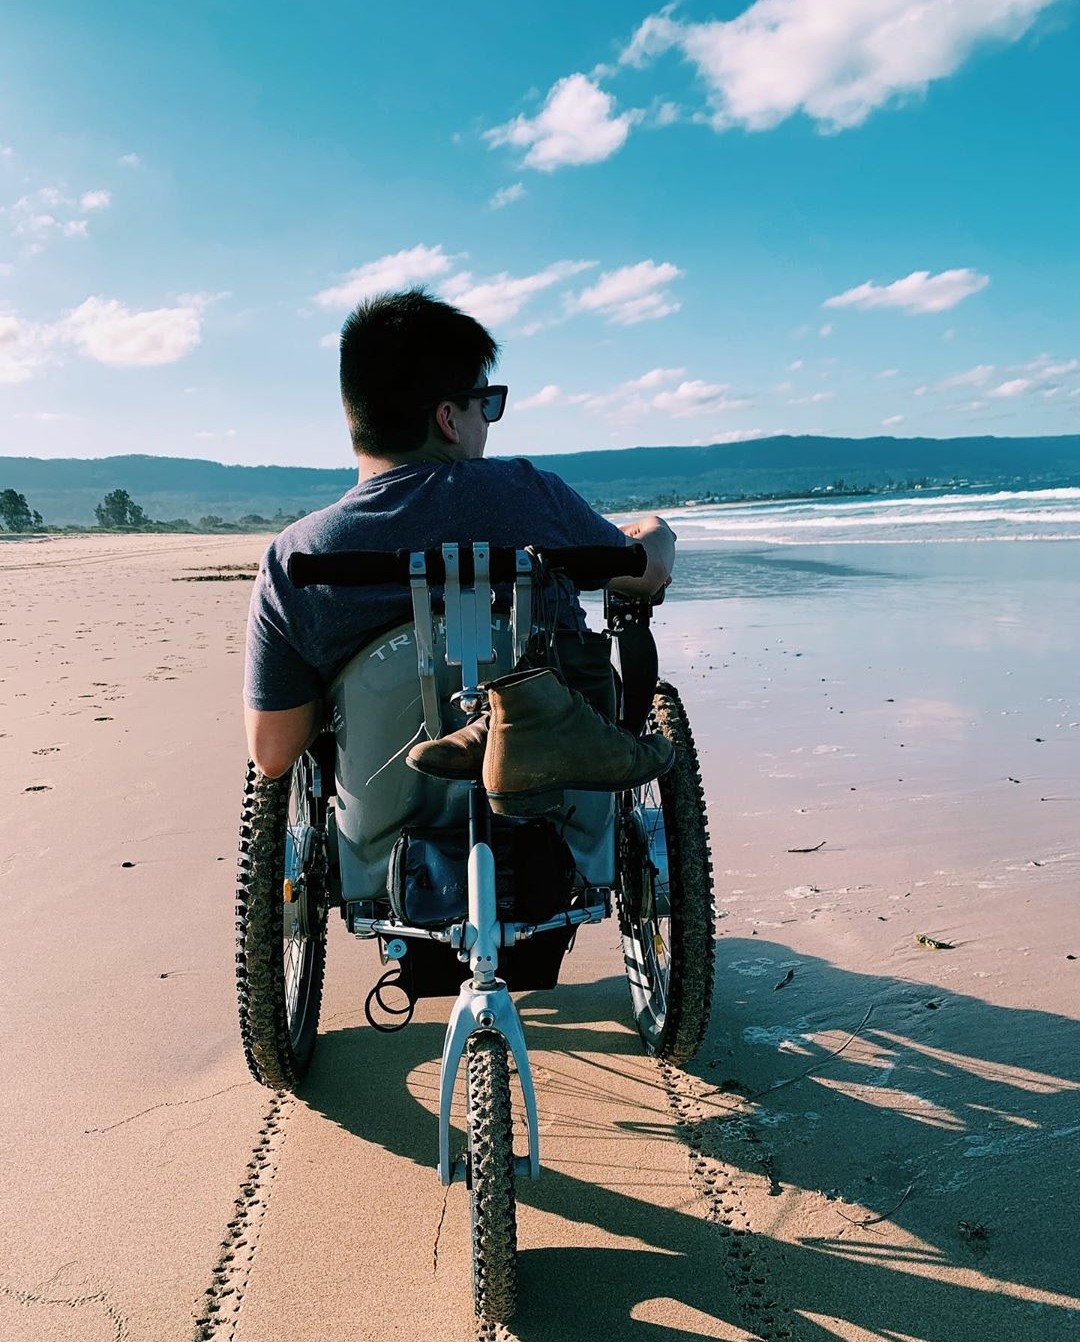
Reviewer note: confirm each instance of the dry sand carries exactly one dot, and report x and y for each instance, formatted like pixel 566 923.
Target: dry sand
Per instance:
pixel 878 1140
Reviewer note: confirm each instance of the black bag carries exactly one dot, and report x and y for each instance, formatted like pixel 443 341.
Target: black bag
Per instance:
pixel 427 877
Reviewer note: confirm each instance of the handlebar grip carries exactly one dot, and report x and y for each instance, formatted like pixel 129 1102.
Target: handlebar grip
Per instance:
pixel 593 566
pixel 587 566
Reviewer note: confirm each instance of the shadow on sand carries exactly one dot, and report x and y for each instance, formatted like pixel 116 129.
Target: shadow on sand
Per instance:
pixel 944 1095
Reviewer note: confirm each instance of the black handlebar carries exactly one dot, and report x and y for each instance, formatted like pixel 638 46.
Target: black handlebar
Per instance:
pixel 588 566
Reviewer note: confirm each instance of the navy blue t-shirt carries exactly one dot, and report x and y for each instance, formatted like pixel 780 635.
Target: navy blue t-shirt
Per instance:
pixel 299 638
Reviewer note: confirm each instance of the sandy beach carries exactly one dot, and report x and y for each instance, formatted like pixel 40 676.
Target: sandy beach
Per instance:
pixel 880 1138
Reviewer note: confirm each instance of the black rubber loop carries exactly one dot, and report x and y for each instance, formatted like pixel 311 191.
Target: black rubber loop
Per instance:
pixel 388 980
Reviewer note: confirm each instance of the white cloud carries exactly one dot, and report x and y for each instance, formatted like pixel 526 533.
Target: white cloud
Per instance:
pixel 825 331
pixel 47 213
pixel 888 372
pixel 631 294
pixel 638 397
pixel 918 292
pixel 1042 374
pixel 386 275
pixel 25 347
pixel 1043 368
pixel 836 62
pixel 502 297
pixel 815 399
pixel 892 421
pixel 978 376
pixel 734 436
pixel 506 196
pixel 697 398
pixel 577 124
pixel 655 377
pixel 627 401
pixel 129 160
pixel 332 340
pixel 104 330
pixel 665 114
pixel 795 365
pixel 6 151
pixel 549 395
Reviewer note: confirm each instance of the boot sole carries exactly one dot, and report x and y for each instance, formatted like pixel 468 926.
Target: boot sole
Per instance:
pixel 525 805
pixel 446 775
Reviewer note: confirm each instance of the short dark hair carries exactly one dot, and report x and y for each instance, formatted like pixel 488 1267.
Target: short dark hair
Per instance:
pixel 400 355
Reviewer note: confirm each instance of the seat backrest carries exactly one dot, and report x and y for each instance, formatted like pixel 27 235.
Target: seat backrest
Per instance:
pixel 377 714
pixel 400 686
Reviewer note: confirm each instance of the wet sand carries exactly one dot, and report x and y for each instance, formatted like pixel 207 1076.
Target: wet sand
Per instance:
pixel 878 1139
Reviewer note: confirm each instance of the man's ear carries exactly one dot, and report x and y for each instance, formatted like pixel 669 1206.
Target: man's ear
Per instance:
pixel 444 421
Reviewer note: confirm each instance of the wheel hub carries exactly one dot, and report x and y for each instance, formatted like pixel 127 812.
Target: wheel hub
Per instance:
pixel 304 885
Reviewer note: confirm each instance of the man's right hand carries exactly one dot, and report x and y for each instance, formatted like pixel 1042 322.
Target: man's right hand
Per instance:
pixel 659 542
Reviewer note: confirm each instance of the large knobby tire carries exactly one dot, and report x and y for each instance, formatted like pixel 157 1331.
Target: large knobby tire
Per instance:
pixel 281 905
pixel 668 927
pixel 491 1178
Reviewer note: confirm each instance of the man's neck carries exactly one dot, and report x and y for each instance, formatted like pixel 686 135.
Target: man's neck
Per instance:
pixel 439 454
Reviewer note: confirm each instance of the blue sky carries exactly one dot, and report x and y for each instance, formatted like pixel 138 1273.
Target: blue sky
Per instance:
pixel 696 224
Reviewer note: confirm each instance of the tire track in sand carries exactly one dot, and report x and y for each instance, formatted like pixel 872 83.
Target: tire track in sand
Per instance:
pixel 745 1258
pixel 219 1311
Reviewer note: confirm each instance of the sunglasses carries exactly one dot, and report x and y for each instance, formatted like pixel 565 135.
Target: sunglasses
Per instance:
pixel 492 401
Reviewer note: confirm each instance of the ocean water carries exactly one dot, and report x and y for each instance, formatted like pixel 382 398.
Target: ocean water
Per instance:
pixel 985 552
pixel 908 518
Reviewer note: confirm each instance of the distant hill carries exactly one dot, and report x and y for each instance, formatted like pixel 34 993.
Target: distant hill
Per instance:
pixel 65 491
pixel 786 465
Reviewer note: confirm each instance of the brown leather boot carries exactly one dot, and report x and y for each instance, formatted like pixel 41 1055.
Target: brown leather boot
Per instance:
pixel 457 756
pixel 543 737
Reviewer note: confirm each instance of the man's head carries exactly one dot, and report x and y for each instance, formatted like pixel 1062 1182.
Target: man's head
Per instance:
pixel 406 361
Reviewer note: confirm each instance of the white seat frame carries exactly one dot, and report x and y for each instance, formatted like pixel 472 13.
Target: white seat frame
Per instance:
pixel 484 1002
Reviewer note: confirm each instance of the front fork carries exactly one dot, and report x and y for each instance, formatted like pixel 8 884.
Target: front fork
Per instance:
pixel 484 1003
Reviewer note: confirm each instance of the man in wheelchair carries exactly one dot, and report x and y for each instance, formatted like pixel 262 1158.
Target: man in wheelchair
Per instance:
pixel 414 384
pixel 384 607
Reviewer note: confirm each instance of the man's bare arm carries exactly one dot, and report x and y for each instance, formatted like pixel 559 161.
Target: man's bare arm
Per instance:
pixel 659 542
pixel 277 739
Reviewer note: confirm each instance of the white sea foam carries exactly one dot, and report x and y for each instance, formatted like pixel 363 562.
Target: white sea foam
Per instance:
pixel 1047 514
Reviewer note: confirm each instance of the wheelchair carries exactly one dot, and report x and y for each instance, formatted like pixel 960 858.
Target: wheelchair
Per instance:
pixel 451 892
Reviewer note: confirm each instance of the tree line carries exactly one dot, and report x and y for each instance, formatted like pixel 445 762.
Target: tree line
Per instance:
pixel 118 511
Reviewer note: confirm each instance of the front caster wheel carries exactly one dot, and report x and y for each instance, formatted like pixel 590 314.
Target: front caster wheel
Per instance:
pixel 491 1178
